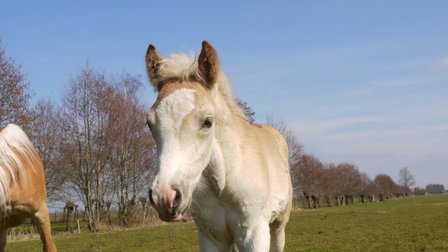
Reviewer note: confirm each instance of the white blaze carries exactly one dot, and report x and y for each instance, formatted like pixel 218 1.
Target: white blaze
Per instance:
pixel 171 112
pixel 173 109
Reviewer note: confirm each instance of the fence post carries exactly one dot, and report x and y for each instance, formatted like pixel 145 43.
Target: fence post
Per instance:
pixel 79 229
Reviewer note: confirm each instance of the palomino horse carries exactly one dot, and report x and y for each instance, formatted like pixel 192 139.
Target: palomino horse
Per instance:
pixel 22 186
pixel 234 175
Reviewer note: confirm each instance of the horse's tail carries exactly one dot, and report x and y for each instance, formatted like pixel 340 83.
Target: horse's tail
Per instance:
pixel 17 153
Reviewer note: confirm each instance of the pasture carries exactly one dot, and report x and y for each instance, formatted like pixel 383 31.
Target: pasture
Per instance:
pixel 409 224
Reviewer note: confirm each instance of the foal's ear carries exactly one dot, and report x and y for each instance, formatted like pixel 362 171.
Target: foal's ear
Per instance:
pixel 153 63
pixel 208 64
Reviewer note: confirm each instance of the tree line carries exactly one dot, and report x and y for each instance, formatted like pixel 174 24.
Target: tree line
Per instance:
pixel 342 184
pixel 97 150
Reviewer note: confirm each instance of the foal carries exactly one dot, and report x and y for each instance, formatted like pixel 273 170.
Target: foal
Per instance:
pixel 234 175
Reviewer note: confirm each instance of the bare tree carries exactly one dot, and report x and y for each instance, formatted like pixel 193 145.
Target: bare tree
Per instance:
pixel 334 188
pixel 386 187
pixel 295 152
pixel 132 148
pixel 46 136
pixel 248 111
pixel 405 178
pixel 310 171
pixel 85 150
pixel 14 93
pixel 366 188
pixel 349 180
pixel 329 186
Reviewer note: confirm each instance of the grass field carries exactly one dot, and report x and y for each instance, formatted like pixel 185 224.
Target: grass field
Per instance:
pixel 410 224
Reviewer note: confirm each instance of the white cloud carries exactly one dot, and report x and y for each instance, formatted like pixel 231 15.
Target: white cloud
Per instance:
pixel 399 82
pixel 411 132
pixel 320 126
pixel 421 74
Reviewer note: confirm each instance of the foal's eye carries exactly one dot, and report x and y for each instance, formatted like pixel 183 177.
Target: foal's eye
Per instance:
pixel 207 123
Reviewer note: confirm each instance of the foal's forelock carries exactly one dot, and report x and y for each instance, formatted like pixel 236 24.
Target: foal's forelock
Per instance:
pixel 178 67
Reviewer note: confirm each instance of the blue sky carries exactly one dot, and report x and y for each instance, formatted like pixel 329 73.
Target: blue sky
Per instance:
pixel 358 81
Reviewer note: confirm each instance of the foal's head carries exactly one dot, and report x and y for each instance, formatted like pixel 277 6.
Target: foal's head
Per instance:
pixel 182 123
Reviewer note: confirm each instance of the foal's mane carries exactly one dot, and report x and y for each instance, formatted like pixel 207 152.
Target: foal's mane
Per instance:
pixel 16 150
pixel 182 67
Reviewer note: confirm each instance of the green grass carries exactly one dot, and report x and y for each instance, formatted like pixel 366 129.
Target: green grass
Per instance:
pixel 176 237
pixel 411 224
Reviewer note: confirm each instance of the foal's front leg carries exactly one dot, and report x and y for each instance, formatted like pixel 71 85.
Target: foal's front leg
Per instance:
pixel 254 237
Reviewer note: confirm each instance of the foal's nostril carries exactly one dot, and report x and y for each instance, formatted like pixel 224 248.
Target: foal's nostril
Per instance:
pixel 151 200
pixel 178 195
pixel 177 199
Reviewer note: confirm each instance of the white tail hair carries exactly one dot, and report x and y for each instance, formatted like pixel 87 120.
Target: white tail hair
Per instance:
pixel 13 141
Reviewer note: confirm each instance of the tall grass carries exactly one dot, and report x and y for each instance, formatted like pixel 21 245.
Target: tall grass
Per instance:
pixel 410 224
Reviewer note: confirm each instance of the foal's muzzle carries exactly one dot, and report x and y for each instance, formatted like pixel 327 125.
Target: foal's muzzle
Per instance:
pixel 167 202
